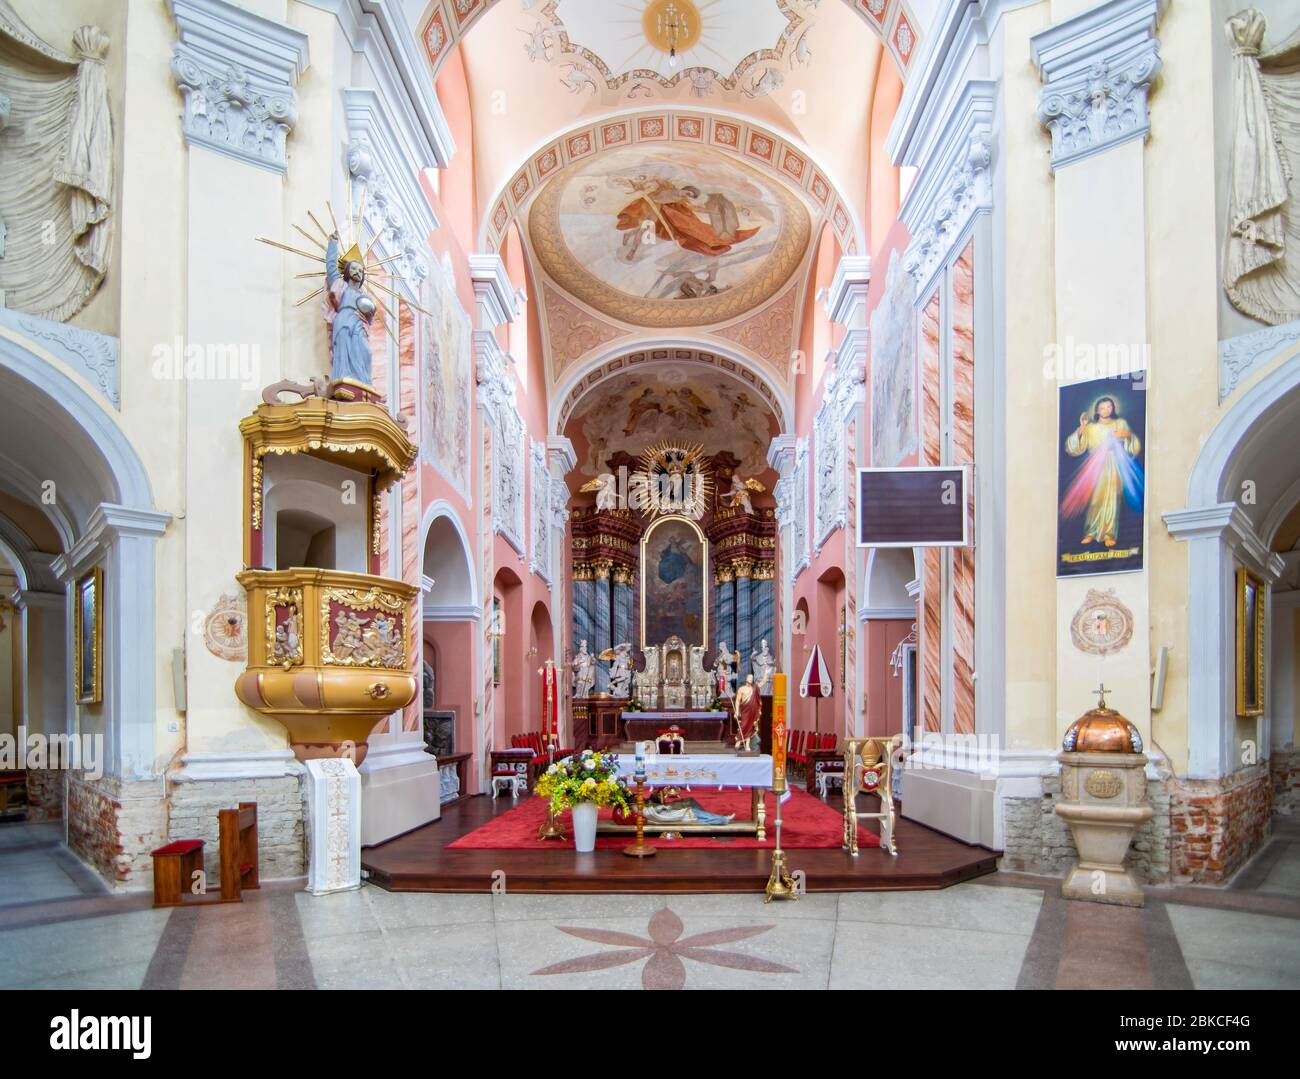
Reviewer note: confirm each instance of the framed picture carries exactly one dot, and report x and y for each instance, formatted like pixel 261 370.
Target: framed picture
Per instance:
pixel 1251 597
pixel 1101 476
pixel 89 637
pixel 497 631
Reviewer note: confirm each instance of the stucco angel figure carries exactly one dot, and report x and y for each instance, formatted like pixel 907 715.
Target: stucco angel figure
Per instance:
pixel 606 490
pixel 584 671
pixel 620 671
pixel 348 312
pixel 763 664
pixel 724 669
pixel 738 496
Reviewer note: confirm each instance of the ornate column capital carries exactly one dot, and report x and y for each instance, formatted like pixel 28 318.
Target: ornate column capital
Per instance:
pixel 780 453
pixel 493 291
pixel 237 72
pixel 1097 70
pixel 846 298
pixel 561 454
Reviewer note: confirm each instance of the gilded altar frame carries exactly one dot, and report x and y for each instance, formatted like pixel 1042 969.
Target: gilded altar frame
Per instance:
pixel 705 581
pixel 1250 623
pixel 89 682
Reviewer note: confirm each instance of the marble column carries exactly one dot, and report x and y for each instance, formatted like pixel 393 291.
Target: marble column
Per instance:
pixel 601 622
pixel 724 608
pixel 744 638
pixel 622 594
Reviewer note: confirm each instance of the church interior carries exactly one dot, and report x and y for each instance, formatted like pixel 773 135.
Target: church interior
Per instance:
pixel 649 494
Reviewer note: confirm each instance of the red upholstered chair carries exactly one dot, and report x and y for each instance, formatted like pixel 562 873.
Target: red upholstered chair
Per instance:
pixel 511 769
pixel 670 741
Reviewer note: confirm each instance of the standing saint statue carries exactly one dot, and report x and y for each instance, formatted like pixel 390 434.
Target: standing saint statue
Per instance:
pixel 748 707
pixel 724 670
pixel 348 312
pixel 763 664
pixel 584 672
pixel 620 671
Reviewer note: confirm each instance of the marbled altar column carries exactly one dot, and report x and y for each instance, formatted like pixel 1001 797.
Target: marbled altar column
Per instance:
pixel 762 614
pixel 724 609
pixel 744 640
pixel 584 600
pixel 622 592
pixel 601 622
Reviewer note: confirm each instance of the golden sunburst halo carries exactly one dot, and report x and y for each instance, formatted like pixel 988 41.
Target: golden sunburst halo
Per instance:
pixel 350 250
pixel 676 459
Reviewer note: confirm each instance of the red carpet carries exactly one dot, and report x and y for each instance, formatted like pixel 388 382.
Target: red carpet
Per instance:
pixel 806 822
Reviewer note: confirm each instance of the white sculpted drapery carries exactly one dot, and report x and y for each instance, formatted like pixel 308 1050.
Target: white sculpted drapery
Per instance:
pixel 1261 264
pixel 58 169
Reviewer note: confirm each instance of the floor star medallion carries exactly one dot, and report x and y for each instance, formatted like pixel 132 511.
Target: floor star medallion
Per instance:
pixel 665 949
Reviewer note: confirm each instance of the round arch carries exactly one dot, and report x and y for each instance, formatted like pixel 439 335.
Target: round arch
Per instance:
pixel 1221 531
pixel 788 161
pixel 443 25
pixel 104 517
pixel 582 377
pixel 446 546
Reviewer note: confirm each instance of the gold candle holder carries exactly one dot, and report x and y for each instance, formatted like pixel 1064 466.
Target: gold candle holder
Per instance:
pixel 550 828
pixel 780 885
pixel 640 849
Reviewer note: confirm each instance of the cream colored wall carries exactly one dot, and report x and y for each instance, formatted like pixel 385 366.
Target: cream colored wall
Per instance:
pixel 1026 196
pixel 1183 289
pixel 1176 234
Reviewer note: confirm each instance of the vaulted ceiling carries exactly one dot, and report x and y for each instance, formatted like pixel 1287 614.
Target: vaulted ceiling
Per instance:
pixel 670 164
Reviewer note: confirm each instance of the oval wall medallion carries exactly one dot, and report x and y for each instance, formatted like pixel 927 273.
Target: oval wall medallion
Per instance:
pixel 1103 784
pixel 225 630
pixel 1102 624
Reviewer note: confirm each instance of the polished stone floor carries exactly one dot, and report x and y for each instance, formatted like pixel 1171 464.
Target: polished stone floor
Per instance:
pixel 58 928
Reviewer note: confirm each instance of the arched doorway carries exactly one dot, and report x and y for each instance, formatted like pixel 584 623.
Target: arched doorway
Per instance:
pixel 888 617
pixel 541 647
pixel 78 519
pixel 1243 491
pixel 451 618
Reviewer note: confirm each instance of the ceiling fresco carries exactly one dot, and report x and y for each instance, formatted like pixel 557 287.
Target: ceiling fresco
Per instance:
pixel 644 407
pixel 668 235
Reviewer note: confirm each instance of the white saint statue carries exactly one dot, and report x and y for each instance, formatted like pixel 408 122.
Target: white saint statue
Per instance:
pixel 763 664
pixel 620 671
pixel 584 671
pixel 724 671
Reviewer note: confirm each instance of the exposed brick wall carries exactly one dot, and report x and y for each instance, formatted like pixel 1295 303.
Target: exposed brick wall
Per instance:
pixel 1219 823
pixel 114 826
pixel 1036 840
pixel 45 793
pixel 1284 768
pixel 280 843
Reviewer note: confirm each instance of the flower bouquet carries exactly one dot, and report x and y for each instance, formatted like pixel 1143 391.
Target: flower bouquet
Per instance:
pixel 584 783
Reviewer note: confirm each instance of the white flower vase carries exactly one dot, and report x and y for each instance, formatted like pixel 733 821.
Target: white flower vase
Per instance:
pixel 584 825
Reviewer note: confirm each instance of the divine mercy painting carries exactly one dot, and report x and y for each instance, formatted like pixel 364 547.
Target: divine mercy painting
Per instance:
pixel 673 569
pixel 1101 477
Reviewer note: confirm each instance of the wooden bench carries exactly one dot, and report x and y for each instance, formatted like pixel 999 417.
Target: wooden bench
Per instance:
pixel 237 829
pixel 175 865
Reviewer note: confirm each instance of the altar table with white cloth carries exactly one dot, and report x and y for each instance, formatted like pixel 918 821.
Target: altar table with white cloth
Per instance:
pixel 703 770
